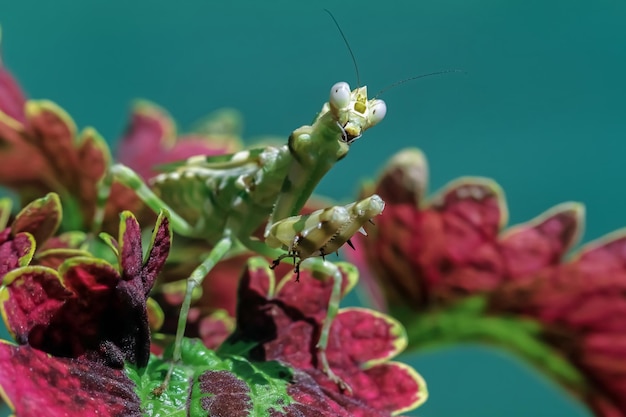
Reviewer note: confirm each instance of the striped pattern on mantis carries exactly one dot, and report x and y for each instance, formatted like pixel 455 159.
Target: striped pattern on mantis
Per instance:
pixel 224 199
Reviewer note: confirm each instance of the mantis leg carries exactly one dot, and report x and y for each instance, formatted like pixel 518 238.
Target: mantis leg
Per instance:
pixel 325 268
pixel 129 178
pixel 194 281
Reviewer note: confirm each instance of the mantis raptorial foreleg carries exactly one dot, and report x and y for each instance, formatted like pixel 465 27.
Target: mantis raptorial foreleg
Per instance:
pixel 311 237
pixel 323 231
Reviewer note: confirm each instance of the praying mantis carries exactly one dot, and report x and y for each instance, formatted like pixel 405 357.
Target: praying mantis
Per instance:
pixel 225 198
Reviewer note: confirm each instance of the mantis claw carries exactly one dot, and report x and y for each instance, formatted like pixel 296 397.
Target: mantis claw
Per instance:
pixel 296 264
pixel 343 385
pixel 297 271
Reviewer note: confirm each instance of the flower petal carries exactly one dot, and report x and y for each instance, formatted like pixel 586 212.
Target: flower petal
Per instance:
pixel 187 146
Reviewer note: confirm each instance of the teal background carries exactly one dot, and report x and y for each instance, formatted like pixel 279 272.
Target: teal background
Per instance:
pixel 541 108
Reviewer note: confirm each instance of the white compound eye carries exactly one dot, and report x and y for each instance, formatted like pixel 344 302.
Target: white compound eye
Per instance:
pixel 377 112
pixel 340 95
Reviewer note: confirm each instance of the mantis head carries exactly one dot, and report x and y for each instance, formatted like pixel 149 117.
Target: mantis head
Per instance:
pixel 352 110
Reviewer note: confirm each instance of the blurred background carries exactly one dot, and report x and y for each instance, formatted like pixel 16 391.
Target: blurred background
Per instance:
pixel 541 109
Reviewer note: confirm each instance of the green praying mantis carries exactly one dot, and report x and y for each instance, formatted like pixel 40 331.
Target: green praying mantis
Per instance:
pixel 225 198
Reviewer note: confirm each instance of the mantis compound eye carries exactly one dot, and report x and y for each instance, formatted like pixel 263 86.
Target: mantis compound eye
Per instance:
pixel 377 112
pixel 340 95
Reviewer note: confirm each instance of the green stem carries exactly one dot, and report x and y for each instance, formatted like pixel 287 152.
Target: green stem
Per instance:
pixel 468 322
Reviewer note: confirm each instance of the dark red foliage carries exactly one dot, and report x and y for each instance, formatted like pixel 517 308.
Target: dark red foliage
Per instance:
pixel 427 252
pixel 41 152
pixel 583 307
pixel 11 96
pixel 88 309
pixel 215 328
pixel 286 318
pixel 150 140
pixel 430 254
pixel 37 384
pixel 230 394
pixel 15 250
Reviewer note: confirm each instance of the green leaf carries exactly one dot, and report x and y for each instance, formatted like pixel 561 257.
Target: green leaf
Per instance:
pixel 205 383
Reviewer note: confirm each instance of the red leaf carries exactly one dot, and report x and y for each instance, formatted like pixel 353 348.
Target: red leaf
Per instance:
pixel 90 311
pixel 131 256
pixel 150 140
pixel 40 218
pixel 30 299
pixel 150 130
pixel 230 395
pixel 542 242
pixel 157 252
pixel 12 98
pixel 214 329
pixel 34 383
pixel 286 318
pixel 15 252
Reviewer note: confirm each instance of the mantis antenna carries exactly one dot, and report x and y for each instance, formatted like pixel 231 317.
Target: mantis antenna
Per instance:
pixel 389 87
pixel 397 83
pixel 356 67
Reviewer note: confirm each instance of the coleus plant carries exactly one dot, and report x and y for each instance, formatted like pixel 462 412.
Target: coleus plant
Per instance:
pixel 447 268
pixel 81 317
pixel 83 338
